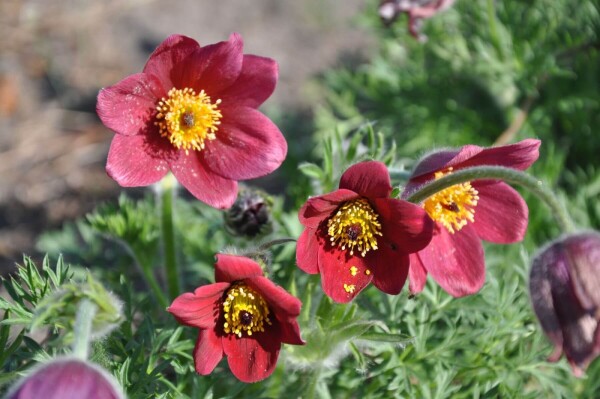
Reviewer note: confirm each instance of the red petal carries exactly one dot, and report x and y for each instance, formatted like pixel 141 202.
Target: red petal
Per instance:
pixel 200 309
pixel 417 275
pixel 405 227
pixel 307 249
pixel 317 209
pixel 208 351
pixel 135 161
pixel 455 261
pixel 232 268
pixel 255 84
pixel 501 215
pixel 129 106
pixel 247 145
pixel 254 358
pixel 520 155
pixel 336 274
pixel 369 179
pixel 203 184
pixel 167 61
pixel 389 267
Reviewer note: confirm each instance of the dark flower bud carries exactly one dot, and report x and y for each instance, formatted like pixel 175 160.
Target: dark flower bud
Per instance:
pixel 67 378
pixel 250 214
pixel 565 292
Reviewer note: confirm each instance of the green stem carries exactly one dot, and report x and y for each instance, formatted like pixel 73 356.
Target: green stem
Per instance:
pixel 168 235
pixel 153 284
pixel 311 387
pixel 498 173
pixel 83 328
pixel 278 241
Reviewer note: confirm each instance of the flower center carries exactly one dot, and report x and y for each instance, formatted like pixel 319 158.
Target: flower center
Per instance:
pixel 454 206
pixel 245 311
pixel 354 225
pixel 188 119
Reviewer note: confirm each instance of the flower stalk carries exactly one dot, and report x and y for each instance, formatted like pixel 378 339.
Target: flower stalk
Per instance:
pixel 167 198
pixel 83 328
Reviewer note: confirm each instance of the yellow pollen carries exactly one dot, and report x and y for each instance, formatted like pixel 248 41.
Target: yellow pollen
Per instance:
pixel 188 119
pixel 454 206
pixel 354 226
pixel 245 310
pixel 367 272
pixel 353 270
pixel 349 288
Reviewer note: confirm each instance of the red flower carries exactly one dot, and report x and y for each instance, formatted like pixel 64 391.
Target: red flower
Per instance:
pixel 243 316
pixel 358 233
pixel 193 110
pixel 466 213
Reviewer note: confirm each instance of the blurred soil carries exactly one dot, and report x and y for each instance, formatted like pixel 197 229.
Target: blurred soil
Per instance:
pixel 56 54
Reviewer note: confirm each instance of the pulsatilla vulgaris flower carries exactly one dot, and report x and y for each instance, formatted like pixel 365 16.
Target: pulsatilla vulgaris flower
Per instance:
pixel 463 214
pixel 242 316
pixel 193 110
pixel 358 234
pixel 565 291
pixel 417 10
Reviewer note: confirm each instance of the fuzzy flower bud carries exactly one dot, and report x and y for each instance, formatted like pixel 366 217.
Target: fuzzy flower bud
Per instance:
pixel 565 292
pixel 67 378
pixel 250 214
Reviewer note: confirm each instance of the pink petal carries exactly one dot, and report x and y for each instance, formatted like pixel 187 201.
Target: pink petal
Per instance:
pixel 255 84
pixel 368 179
pixel 208 351
pixel 247 145
pixel 203 184
pixel 307 249
pixel 135 161
pixel 232 268
pixel 254 358
pixel 337 277
pixel 417 275
pixel 200 309
pixel 317 209
pixel 455 261
pixel 129 106
pixel 436 161
pixel 389 268
pixel 501 215
pixel 520 155
pixel 166 62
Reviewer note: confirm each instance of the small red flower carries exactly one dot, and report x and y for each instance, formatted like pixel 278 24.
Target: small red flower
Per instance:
pixel 466 213
pixel 193 110
pixel 358 234
pixel 243 316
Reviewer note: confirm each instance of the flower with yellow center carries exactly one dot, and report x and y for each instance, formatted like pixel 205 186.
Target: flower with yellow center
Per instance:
pixel 245 311
pixel 454 206
pixel 355 226
pixel 188 119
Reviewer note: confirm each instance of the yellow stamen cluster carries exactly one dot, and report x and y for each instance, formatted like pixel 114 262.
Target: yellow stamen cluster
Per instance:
pixel 454 206
pixel 245 310
pixel 188 119
pixel 355 225
pixel 349 288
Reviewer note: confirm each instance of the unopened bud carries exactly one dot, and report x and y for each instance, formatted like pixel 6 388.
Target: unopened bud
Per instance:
pixel 250 214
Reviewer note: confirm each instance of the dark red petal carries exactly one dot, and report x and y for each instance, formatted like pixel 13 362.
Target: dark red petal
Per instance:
pixel 129 106
pixel 406 227
pixel 232 268
pixel 455 261
pixel 520 155
pixel 166 62
pixel 584 252
pixel 201 308
pixel 135 161
pixel 369 179
pixel 417 275
pixel 203 184
pixel 337 278
pixel 439 160
pixel 216 67
pixel 317 209
pixel 254 358
pixel 501 215
pixel 208 351
pixel 247 145
pixel 307 249
pixel 389 268
pixel 255 84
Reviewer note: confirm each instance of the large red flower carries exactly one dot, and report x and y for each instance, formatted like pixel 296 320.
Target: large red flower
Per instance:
pixel 466 213
pixel 243 316
pixel 358 234
pixel 193 110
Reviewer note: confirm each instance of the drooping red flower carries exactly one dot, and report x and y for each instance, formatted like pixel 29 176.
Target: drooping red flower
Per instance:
pixel 417 10
pixel 193 111
pixel 243 316
pixel 358 234
pixel 466 213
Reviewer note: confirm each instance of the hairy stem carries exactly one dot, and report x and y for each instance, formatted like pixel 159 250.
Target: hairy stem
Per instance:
pixel 168 235
pixel 83 328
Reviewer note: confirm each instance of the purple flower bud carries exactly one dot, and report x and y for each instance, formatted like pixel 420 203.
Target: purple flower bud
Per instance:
pixel 67 378
pixel 250 214
pixel 565 292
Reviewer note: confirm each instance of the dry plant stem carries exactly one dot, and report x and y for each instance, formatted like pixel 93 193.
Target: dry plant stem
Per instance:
pixel 83 328
pixel 168 236
pixel 499 173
